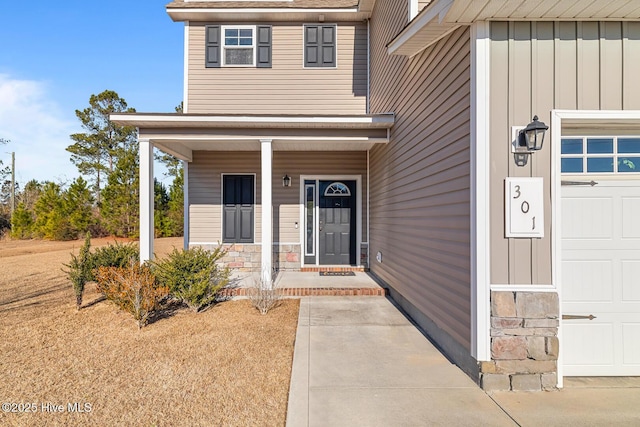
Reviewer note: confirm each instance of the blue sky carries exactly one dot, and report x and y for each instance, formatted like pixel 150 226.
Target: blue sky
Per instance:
pixel 54 55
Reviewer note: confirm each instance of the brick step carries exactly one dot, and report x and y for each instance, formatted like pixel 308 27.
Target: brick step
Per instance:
pixel 333 269
pixel 305 292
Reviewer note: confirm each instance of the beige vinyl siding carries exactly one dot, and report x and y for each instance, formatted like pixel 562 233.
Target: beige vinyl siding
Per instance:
pixel 205 191
pixel 420 200
pixel 287 88
pixel 205 187
pixel 537 67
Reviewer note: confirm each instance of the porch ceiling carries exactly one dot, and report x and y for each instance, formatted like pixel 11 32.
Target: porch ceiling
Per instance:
pixel 181 134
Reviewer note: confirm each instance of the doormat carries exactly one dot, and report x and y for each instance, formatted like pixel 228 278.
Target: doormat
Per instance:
pixel 337 273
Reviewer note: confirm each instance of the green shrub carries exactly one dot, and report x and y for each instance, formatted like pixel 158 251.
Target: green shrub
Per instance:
pixel 116 255
pixel 193 276
pixel 133 289
pixel 79 270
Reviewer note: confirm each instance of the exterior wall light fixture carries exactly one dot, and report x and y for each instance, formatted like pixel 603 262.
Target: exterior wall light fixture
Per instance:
pixel 286 180
pixel 527 140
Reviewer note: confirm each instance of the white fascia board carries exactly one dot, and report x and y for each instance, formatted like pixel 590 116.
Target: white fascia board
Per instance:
pixel 195 14
pixel 435 11
pixel 259 10
pixel 385 120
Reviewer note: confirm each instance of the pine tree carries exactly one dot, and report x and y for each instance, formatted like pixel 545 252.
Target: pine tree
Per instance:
pixel 97 151
pixel 21 222
pixel 78 203
pixel 175 212
pixel 160 208
pixel 120 198
pixel 52 221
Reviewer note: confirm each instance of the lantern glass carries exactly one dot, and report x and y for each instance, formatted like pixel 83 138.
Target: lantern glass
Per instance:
pixel 534 134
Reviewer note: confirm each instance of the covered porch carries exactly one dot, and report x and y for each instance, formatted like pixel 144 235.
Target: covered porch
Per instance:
pixel 305 169
pixel 307 283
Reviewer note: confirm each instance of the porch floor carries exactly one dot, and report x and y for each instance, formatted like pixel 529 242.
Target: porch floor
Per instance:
pixel 302 283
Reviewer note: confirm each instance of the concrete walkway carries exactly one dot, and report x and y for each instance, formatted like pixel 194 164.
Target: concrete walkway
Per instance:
pixel 359 361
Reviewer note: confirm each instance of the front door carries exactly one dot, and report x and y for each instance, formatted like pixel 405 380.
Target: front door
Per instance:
pixel 337 207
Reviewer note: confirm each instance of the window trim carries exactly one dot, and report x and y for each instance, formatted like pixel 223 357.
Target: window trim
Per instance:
pixel 255 204
pixel 223 45
pixel 304 45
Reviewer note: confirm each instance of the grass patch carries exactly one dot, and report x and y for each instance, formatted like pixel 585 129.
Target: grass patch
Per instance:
pixel 228 365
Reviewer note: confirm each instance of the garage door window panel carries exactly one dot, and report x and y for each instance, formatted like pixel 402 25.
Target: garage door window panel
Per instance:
pixel 600 155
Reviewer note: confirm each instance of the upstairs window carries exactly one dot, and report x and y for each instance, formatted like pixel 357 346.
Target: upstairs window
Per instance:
pixel 320 46
pixel 238 46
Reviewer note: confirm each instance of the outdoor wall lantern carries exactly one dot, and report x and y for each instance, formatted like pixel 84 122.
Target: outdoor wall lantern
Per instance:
pixel 527 140
pixel 286 180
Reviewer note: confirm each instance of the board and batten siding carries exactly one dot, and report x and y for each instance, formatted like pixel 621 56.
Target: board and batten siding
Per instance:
pixel 420 199
pixel 287 87
pixel 536 67
pixel 205 188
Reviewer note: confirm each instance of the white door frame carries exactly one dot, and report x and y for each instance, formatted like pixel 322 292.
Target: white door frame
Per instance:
pixel 557 117
pixel 317 178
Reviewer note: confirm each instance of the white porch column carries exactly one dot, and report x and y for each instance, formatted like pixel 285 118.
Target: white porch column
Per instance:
pixel 267 212
pixel 146 200
pixel 185 194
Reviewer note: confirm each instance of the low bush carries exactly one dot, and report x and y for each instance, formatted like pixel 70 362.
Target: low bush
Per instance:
pixel 79 270
pixel 133 289
pixel 193 276
pixel 264 296
pixel 116 255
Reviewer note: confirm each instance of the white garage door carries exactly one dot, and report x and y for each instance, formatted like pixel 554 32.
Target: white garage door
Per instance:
pixel 600 227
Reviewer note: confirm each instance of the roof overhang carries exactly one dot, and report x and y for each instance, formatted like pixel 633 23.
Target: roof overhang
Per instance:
pixel 268 14
pixel 181 134
pixel 425 29
pixel 441 17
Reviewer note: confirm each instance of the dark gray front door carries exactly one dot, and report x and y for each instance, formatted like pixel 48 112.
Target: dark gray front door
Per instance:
pixel 337 222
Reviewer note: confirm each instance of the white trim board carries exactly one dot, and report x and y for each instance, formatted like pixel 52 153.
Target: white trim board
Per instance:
pixel 480 250
pixel 522 288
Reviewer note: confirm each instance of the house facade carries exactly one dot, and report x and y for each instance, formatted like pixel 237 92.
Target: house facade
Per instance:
pixel 385 135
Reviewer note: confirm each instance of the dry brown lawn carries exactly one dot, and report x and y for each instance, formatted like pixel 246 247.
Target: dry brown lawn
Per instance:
pixel 228 365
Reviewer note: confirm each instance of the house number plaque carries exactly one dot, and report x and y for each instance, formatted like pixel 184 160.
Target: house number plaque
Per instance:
pixel 524 207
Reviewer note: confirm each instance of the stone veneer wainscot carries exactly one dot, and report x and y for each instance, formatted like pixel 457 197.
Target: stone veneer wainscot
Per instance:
pixel 524 342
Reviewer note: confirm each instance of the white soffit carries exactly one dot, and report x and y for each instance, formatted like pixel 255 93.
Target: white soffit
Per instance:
pixel 441 17
pixel 466 12
pixel 425 29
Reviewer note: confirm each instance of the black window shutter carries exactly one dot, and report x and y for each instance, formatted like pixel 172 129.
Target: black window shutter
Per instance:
pixel 311 46
pixel 320 46
pixel 212 35
pixel 263 45
pixel 329 46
